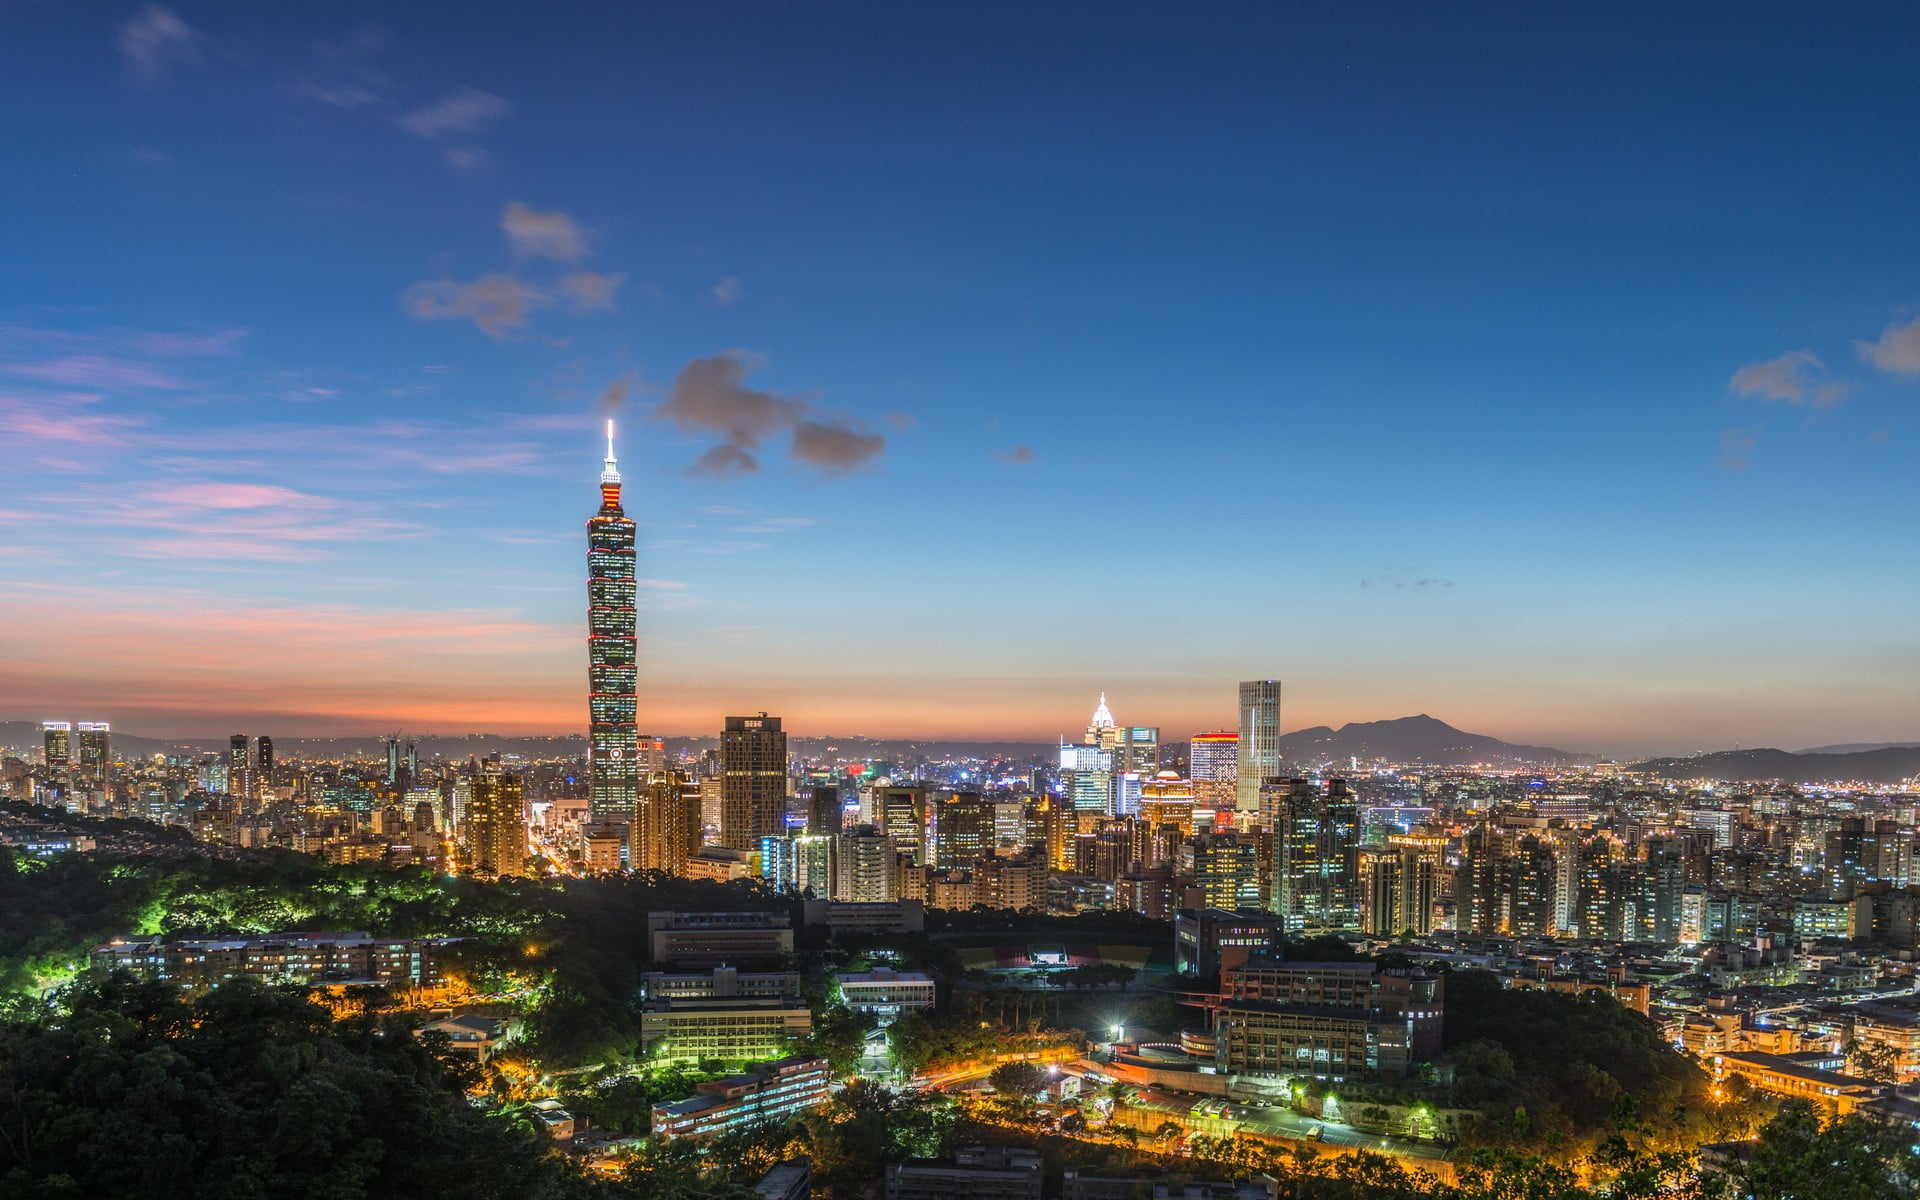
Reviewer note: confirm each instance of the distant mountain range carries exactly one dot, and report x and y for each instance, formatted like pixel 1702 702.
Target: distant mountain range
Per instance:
pixel 1421 739
pixel 1883 764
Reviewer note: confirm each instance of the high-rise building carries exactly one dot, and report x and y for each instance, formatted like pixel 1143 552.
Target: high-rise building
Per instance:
pixel 1398 884
pixel 1316 840
pixel 1226 869
pixel 393 759
pixel 903 818
pixel 239 766
pixel 96 752
pixel 57 737
pixel 1087 772
pixel 963 831
pixel 264 746
pixel 613 738
pixel 1139 750
pixel 666 824
pixel 1258 747
pixel 497 824
pixel 1213 764
pixel 753 781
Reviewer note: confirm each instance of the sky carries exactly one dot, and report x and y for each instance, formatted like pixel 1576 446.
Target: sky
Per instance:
pixel 1550 370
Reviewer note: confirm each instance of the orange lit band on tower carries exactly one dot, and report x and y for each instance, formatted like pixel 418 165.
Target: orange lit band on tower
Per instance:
pixel 613 740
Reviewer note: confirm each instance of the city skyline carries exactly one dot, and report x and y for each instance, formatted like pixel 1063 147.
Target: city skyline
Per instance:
pixel 1558 385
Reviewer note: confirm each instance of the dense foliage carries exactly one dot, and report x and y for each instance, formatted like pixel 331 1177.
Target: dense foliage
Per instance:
pixel 1558 1073
pixel 248 1093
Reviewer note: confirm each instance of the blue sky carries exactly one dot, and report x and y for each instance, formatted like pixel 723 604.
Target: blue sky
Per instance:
pixel 1550 372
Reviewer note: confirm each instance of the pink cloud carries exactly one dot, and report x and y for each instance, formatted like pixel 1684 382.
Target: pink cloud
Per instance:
pixel 40 419
pixel 94 371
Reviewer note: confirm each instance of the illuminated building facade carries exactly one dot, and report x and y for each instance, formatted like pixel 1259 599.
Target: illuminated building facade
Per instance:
pixel 1258 747
pixel 1213 764
pixel 96 752
pixel 497 824
pixel 666 824
pixel 753 781
pixel 613 739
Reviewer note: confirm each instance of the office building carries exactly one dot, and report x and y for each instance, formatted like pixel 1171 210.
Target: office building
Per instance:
pixel 1226 870
pixel 1258 746
pixel 613 738
pixel 1139 750
pixel 903 818
pixel 771 1092
pixel 712 939
pixel 1086 773
pixel 963 831
pixel 96 752
pixel 263 746
pixel 239 768
pixel 1316 842
pixel 345 959
pixel 899 916
pixel 496 832
pixel 753 781
pixel 866 867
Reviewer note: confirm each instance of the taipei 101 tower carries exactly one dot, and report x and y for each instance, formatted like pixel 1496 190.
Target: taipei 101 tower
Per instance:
pixel 613 740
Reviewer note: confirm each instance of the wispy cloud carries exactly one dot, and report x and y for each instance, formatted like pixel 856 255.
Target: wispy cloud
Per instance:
pixel 63 419
pixel 1736 448
pixel 1797 377
pixel 154 43
pixel 1018 456
pixel 1896 350
pixel 462 111
pixel 97 371
pixel 727 290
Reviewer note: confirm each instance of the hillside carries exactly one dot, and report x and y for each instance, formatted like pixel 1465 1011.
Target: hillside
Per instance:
pixel 1421 739
pixel 1891 765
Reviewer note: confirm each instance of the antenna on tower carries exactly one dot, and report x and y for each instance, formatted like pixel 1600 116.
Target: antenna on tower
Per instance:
pixel 612 473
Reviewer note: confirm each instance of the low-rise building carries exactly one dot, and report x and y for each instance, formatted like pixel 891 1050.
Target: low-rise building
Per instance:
pixel 348 959
pixel 1838 1094
pixel 472 1033
pixel 976 1173
pixel 710 939
pixel 884 993
pixel 772 1091
pixel 847 916
pixel 733 1029
pixel 719 983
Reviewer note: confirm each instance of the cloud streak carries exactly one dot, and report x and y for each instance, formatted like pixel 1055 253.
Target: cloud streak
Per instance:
pixel 154 43
pixel 497 303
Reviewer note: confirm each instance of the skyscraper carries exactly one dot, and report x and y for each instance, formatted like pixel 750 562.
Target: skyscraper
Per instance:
pixel 753 781
pixel 1259 745
pixel 95 753
pixel 58 739
pixel 613 740
pixel 239 774
pixel 1213 763
pixel 265 745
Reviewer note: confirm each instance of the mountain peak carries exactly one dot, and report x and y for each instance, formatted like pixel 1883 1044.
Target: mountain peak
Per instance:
pixel 1422 738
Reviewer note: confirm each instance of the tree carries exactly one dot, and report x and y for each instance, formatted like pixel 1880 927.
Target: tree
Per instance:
pixel 1017 1079
pixel 1797 1158
pixel 1873 1060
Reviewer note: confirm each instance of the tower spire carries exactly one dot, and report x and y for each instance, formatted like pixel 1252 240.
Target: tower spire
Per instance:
pixel 612 473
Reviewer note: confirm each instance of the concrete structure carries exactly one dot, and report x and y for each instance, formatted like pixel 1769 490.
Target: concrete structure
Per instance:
pixel 899 916
pixel 613 740
pixel 732 1029
pixel 711 939
pixel 1840 1095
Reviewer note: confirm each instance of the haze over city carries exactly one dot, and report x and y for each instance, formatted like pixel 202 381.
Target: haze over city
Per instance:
pixel 967 364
